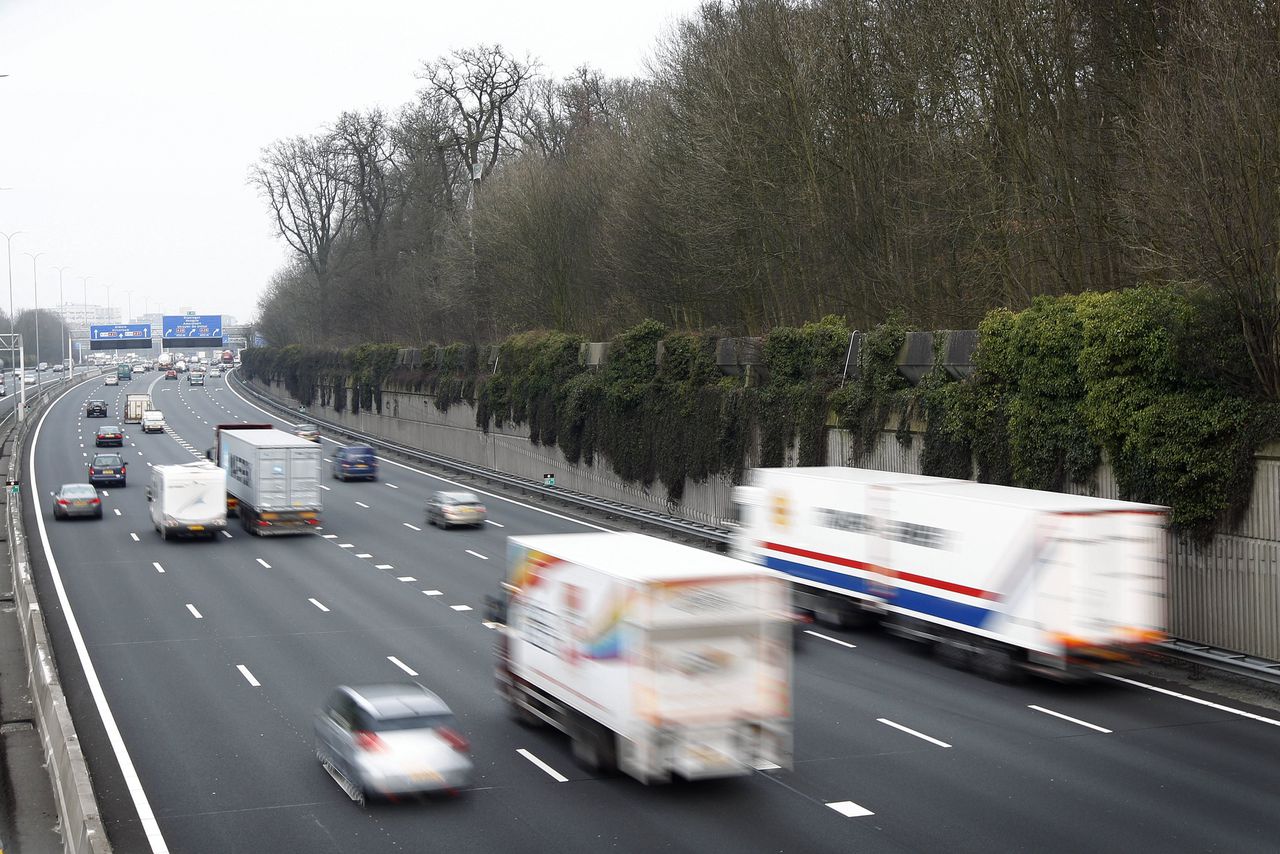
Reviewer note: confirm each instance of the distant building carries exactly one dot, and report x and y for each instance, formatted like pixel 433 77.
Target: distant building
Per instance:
pixel 80 316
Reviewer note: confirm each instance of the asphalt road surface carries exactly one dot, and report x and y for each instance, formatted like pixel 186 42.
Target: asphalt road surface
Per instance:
pixel 211 658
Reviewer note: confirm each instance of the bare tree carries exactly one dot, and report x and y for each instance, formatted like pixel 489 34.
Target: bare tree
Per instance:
pixel 302 180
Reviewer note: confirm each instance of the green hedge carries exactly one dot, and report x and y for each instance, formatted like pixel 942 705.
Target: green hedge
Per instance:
pixel 1155 378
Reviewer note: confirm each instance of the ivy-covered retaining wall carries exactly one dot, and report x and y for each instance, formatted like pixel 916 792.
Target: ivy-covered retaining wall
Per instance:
pixel 1153 378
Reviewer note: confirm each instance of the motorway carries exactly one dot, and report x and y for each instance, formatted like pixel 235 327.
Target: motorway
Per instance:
pixel 211 658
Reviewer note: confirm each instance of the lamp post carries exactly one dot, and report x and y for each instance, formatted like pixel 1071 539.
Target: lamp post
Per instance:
pixel 35 290
pixel 62 316
pixel 84 281
pixel 108 287
pixel 9 251
pixel 128 313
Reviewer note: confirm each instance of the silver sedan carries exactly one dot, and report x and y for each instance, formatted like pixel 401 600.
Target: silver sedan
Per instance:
pixel 447 509
pixel 391 740
pixel 76 499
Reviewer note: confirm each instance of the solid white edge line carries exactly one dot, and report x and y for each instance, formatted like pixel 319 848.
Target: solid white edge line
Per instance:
pixel 553 773
pixel 318 605
pixel 133 783
pixel 244 671
pixel 828 638
pixel 910 731
pixel 194 612
pixel 398 663
pixel 1241 712
pixel 476 554
pixel 443 479
pixel 1067 718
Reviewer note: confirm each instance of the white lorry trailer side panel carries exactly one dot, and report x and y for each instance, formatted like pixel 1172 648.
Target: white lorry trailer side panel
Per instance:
pixel 1046 572
pixel 271 470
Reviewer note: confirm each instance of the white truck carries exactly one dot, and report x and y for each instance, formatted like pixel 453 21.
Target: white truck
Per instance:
pixel 1003 579
pixel 188 500
pixel 273 478
pixel 153 421
pixel 656 659
pixel 164 361
pixel 134 407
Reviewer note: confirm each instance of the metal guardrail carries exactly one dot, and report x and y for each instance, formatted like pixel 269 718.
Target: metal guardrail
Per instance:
pixel 719 537
pixel 78 815
pixel 1195 653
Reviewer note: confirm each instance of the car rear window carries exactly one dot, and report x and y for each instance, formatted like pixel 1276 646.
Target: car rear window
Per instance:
pixel 107 460
pixel 359 453
pixel 460 498
pixel 411 722
pixel 79 490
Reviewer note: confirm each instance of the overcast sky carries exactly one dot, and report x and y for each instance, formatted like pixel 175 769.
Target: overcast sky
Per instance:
pixel 127 128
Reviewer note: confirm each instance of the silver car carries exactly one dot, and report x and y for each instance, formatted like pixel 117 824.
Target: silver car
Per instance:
pixel 391 740
pixel 76 499
pixel 447 509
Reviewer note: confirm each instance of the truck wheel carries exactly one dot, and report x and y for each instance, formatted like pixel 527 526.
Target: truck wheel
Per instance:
pixel 999 665
pixel 595 748
pixel 952 654
pixel 517 711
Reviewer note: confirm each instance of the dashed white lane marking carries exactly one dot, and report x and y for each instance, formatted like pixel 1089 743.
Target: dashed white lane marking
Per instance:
pixel 362 504
pixel 554 774
pixel 460 607
pixel 767 766
pixel 833 640
pixel 194 612
pixel 364 555
pixel 226 534
pixel 495 524
pixel 346 545
pixel 244 671
pixel 158 567
pixel 265 565
pixel 135 537
pixel 433 592
pixel 476 554
pixel 1250 715
pixel 849 809
pixel 106 494
pixel 116 510
pixel 393 486
pixel 489 625
pixel 384 566
pixel 398 663
pixel 1068 718
pixel 411 527
pixel 910 731
pixel 330 536
pixel 318 605
pixel 325 488
pixel 405 578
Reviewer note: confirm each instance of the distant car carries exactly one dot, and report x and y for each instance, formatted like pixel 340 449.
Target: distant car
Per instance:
pixel 447 509
pixel 310 432
pixel 95 409
pixel 215 372
pixel 391 740
pixel 195 379
pixel 30 378
pixel 108 470
pixel 43 366
pixel 3 391
pixel 76 499
pixel 57 369
pixel 111 379
pixel 109 435
pixel 152 421
pixel 355 461
pixel 171 374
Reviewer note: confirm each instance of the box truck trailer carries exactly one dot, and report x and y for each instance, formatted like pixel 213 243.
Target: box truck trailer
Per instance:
pixel 273 478
pixel 655 658
pixel 1003 579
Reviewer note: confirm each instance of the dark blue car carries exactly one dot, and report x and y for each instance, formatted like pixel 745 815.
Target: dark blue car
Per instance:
pixel 355 461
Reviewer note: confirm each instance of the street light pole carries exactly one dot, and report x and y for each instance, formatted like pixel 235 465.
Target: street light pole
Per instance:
pixel 128 314
pixel 62 316
pixel 35 290
pixel 9 251
pixel 84 281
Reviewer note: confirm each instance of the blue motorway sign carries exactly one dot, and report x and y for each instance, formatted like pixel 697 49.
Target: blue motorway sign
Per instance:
pixel 178 327
pixel 120 332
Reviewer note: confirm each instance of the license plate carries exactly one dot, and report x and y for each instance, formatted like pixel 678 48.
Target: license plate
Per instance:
pixel 80 503
pixel 108 471
pixel 424 776
pixel 195 527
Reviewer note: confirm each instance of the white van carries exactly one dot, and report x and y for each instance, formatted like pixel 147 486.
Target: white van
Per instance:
pixel 188 500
